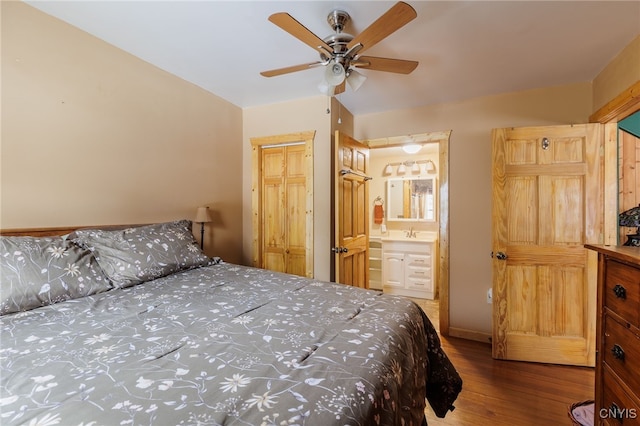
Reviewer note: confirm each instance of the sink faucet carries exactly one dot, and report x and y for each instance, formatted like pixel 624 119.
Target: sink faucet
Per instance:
pixel 411 233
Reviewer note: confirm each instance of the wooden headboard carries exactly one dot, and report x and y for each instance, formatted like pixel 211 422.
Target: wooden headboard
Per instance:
pixel 57 231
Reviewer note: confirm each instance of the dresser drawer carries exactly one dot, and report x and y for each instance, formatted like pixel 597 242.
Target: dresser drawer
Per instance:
pixel 622 351
pixel 618 408
pixel 622 291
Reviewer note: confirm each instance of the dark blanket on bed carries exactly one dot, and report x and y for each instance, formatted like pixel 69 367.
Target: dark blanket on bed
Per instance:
pixel 224 344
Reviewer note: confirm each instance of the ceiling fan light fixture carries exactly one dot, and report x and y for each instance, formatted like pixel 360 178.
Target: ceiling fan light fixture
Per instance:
pixel 334 74
pixel 355 80
pixel 326 89
pixel 340 51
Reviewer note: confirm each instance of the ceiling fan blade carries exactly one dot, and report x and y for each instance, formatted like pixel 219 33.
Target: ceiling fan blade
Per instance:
pixel 399 66
pixel 287 70
pixel 299 31
pixel 340 88
pixel 395 18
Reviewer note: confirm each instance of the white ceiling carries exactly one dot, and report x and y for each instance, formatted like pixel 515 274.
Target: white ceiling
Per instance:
pixel 465 48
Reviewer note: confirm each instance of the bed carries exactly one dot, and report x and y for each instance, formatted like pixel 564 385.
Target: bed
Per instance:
pixel 136 326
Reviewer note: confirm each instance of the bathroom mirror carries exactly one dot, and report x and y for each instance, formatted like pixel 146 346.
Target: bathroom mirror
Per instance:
pixel 411 199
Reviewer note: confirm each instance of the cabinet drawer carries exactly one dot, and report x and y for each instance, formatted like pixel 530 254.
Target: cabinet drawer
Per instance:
pixel 618 408
pixel 420 274
pixel 418 260
pixel 622 351
pixel 622 291
pixel 418 283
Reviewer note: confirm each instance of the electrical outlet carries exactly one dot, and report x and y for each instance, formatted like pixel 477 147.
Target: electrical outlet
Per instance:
pixel 490 296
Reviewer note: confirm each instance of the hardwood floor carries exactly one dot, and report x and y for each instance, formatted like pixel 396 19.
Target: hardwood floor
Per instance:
pixel 509 393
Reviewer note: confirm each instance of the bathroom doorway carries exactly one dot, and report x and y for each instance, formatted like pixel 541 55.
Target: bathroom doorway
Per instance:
pixel 389 161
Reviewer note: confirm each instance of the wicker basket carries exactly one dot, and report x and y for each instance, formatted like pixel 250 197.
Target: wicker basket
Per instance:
pixel 573 407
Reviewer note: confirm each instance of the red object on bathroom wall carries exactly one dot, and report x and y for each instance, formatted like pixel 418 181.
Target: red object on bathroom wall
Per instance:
pixel 378 214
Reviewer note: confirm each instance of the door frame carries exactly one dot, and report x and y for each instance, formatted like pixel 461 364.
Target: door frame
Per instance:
pixel 620 107
pixel 257 145
pixel 442 138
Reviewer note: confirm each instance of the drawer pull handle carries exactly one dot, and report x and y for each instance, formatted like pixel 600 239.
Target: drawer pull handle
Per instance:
pixel 618 352
pixel 620 291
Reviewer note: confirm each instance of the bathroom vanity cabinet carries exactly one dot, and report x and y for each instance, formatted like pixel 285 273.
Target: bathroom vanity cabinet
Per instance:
pixel 408 267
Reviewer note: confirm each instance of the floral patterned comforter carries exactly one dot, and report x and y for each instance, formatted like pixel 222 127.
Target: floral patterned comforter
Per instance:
pixel 224 344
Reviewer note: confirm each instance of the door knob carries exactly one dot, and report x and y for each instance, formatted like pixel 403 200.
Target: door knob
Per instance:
pixel 501 255
pixel 339 249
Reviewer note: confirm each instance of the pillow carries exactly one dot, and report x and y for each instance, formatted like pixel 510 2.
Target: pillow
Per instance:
pixel 134 255
pixel 37 271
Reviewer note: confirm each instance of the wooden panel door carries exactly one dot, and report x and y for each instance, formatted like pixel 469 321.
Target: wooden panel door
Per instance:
pixel 295 209
pixel 284 209
pixel 273 217
pixel 351 246
pixel 547 203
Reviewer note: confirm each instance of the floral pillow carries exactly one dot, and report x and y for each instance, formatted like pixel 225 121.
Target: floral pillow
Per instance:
pixel 37 271
pixel 134 255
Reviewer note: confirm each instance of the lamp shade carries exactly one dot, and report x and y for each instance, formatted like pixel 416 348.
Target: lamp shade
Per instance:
pixel 355 80
pixel 415 168
pixel 402 169
pixel 630 218
pixel 326 89
pixel 430 166
pixel 334 74
pixel 388 170
pixel 202 215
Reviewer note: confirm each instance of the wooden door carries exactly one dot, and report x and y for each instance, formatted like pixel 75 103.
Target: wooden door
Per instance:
pixel 283 208
pixel 547 203
pixel 351 248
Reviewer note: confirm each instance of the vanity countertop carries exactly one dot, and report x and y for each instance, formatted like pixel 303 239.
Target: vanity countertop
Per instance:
pixel 420 236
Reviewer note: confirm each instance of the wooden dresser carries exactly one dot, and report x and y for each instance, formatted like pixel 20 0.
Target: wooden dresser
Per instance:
pixel 617 392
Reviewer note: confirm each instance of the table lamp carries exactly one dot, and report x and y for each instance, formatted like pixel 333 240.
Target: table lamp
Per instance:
pixel 202 217
pixel 631 218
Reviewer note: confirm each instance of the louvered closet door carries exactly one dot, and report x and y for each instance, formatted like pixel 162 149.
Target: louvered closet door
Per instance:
pixel 547 203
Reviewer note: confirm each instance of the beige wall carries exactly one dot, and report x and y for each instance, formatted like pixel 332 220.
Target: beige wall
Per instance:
pixel 92 135
pixel 618 75
pixel 308 114
pixel 471 122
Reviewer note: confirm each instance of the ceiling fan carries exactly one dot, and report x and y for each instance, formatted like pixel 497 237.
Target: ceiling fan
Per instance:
pixel 341 53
